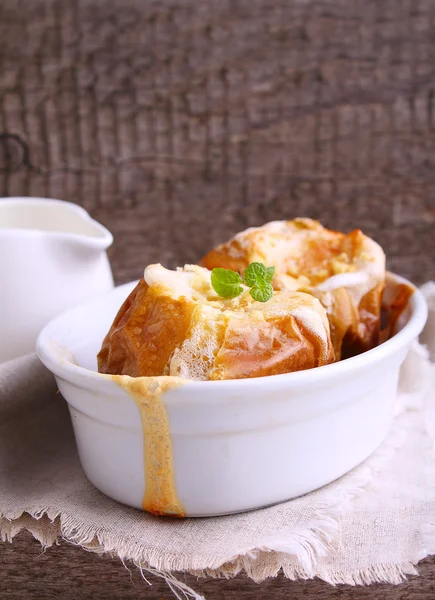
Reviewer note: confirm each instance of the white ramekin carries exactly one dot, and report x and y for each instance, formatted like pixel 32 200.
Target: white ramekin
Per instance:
pixel 239 444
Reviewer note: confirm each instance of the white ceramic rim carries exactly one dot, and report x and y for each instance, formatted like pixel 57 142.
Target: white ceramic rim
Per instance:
pixel 88 379
pixel 103 241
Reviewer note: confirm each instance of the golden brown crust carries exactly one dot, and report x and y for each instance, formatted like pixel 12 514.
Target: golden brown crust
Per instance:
pixel 343 319
pixel 313 258
pixel 369 323
pixel 355 329
pixel 394 304
pixel 277 346
pixel 305 255
pixel 223 255
pixel 156 334
pixel 144 334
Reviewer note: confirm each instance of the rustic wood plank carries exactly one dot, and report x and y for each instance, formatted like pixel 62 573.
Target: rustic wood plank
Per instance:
pixel 178 124
pixel 66 572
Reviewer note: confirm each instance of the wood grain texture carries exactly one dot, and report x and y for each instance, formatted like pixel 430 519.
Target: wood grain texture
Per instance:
pixel 65 572
pixel 177 124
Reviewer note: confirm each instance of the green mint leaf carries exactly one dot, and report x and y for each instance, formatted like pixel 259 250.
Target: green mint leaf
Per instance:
pixel 226 283
pixel 270 272
pixel 262 292
pixel 255 274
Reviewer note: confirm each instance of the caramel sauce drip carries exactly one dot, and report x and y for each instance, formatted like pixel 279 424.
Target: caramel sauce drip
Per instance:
pixel 160 496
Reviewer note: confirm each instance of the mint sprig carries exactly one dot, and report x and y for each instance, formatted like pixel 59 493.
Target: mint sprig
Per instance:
pixel 262 293
pixel 228 283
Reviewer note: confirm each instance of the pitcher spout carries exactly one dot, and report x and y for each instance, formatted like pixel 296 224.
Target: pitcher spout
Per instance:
pixel 57 218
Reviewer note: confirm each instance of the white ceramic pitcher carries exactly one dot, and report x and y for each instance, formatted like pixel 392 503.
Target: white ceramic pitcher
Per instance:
pixel 52 257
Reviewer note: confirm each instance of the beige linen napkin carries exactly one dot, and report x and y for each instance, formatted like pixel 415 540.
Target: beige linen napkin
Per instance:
pixel 373 524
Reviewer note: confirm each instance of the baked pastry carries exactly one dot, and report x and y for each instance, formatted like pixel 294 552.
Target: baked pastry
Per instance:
pixel 174 323
pixel 345 271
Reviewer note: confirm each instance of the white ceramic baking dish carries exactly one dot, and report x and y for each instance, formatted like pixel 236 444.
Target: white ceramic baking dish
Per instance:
pixel 234 445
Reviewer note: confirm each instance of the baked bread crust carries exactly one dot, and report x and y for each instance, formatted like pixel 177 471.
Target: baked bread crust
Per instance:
pixel 173 323
pixel 345 271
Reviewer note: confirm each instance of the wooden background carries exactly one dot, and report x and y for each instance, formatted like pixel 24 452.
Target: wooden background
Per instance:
pixel 177 124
